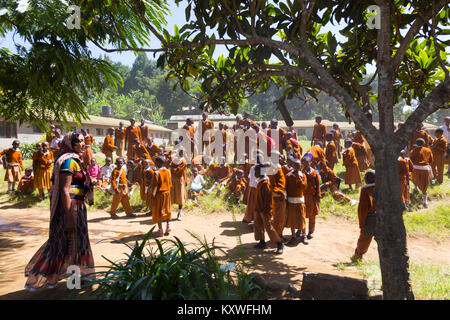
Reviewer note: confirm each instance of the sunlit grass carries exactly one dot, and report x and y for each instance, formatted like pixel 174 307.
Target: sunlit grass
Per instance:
pixel 428 281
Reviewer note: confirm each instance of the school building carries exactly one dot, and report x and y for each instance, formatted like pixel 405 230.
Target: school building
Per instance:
pixel 96 125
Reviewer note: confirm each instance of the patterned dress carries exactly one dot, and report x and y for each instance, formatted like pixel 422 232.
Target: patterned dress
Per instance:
pixel 66 245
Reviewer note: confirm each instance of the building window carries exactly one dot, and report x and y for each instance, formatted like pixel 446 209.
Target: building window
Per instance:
pixel 151 135
pixel 99 131
pixel 36 129
pixel 8 129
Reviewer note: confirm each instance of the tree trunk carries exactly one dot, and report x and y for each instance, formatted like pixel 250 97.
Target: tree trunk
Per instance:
pixel 390 232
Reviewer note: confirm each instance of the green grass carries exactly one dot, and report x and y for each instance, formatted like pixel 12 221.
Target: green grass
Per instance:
pixel 433 222
pixel 428 281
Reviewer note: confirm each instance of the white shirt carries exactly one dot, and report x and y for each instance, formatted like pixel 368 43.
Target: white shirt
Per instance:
pixel 252 179
pixel 199 180
pixel 55 142
pixel 106 171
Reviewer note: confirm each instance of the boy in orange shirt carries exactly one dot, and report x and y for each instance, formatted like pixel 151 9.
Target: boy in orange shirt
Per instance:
pixel 14 165
pixel 263 211
pixel 108 146
pixel 161 202
pixel 120 189
pixel 438 147
pixel 366 206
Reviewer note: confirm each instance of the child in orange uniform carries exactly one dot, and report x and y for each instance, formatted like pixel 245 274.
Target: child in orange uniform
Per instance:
pixel 26 184
pixel 161 204
pixel 295 211
pixel 352 175
pixel 263 211
pixel 43 163
pixel 438 147
pixel 422 158
pixel 331 154
pixel 366 206
pixel 236 185
pixel 312 195
pixel 278 186
pixel 120 189
pixel 178 170
pixel 14 165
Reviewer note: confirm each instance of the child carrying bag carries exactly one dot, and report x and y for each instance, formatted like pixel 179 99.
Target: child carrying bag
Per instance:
pixel 370 224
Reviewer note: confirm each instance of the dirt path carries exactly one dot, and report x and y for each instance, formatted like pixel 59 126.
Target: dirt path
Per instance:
pixel 23 231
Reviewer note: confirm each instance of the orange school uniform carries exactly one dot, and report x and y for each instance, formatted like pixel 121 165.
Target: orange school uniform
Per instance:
pixel 319 132
pixel 438 147
pixel 119 182
pixel 403 173
pixel 26 184
pixel 263 211
pixel 14 164
pixel 422 157
pixel 161 204
pixel 130 135
pixel 43 163
pixel 108 146
pixel 365 206
pixel 352 175
pixel 278 186
pixel 295 188
pixel 331 154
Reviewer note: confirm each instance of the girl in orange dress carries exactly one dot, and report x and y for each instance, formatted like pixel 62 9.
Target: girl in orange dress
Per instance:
pixel 43 162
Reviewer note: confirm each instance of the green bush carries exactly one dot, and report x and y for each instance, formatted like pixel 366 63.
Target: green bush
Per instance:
pixel 172 272
pixel 27 150
pixel 96 148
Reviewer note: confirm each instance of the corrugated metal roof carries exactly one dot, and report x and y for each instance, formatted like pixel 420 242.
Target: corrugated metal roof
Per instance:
pixel 195 117
pixel 113 122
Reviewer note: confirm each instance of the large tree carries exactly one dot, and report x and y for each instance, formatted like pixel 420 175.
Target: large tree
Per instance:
pixel 281 43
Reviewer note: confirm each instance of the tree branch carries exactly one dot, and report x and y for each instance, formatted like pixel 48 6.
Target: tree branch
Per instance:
pixel 438 98
pixel 414 30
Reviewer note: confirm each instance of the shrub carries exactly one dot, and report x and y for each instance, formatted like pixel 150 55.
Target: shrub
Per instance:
pixel 96 148
pixel 171 271
pixel 27 150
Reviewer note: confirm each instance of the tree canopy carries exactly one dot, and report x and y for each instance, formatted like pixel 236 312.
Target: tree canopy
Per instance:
pixel 47 76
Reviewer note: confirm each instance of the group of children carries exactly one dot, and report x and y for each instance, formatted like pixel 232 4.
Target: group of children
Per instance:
pixel 281 186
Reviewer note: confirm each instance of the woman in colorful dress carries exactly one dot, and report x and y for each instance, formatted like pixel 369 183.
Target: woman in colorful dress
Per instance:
pixel 68 243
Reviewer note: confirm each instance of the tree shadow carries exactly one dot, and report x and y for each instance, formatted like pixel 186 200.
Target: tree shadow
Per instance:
pixel 272 265
pixel 10 244
pixel 238 228
pixel 60 292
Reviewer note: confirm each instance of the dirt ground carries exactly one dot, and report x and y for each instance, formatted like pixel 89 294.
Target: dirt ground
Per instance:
pixel 23 231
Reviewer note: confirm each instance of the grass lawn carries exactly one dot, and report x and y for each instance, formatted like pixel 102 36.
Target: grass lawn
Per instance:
pixel 428 281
